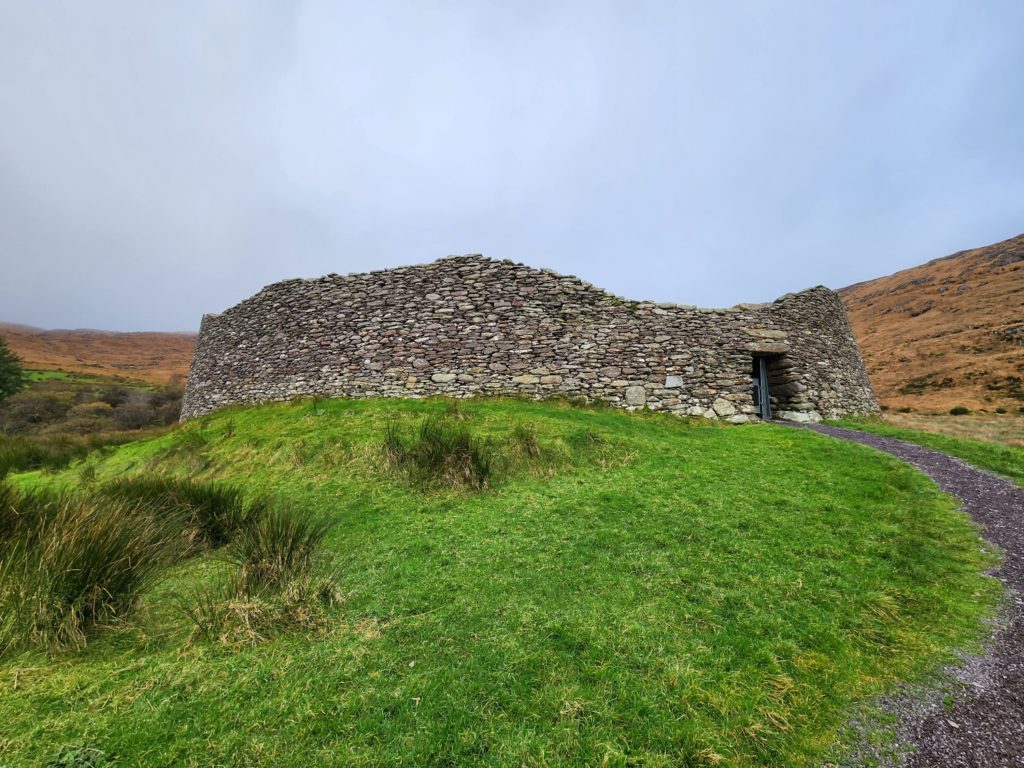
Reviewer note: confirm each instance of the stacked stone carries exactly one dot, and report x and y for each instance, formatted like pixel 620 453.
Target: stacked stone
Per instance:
pixel 468 325
pixel 822 375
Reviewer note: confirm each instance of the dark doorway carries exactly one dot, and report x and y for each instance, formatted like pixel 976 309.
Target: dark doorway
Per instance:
pixel 762 397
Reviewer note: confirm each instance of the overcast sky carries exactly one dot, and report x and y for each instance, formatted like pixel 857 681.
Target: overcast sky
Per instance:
pixel 162 160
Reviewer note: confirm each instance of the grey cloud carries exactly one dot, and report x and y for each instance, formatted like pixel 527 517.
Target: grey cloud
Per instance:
pixel 158 161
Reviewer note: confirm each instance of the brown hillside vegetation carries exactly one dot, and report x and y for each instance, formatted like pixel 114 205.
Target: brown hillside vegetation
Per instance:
pixel 947 333
pixel 156 358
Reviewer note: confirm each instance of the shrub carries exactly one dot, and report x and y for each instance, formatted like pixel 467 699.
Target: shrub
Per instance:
pixel 33 409
pixel 213 511
pixel 71 564
pixel 166 403
pixel 132 416
pixel 12 375
pixel 959 411
pixel 1000 410
pixel 88 418
pixel 115 395
pixel 442 454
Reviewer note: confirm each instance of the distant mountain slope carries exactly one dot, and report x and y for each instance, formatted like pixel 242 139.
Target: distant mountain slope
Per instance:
pixel 152 357
pixel 947 333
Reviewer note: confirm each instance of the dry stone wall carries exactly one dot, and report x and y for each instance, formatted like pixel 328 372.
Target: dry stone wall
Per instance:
pixel 467 325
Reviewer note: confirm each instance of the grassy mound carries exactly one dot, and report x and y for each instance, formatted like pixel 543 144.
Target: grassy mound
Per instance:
pixel 613 589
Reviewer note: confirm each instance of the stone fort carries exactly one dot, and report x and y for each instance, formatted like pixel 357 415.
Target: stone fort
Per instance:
pixel 467 325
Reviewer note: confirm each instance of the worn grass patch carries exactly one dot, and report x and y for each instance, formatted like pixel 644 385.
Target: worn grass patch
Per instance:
pixel 646 591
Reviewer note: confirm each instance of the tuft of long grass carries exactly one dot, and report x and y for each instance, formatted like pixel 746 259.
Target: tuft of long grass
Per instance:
pixel 524 442
pixel 9 517
pixel 442 455
pixel 277 579
pixel 72 564
pixel 226 612
pixel 276 545
pixel 215 511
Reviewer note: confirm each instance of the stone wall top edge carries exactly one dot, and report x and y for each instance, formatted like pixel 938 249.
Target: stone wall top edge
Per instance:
pixel 444 261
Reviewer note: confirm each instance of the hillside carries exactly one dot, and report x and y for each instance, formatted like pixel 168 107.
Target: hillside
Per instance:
pixel 627 589
pixel 947 333
pixel 156 358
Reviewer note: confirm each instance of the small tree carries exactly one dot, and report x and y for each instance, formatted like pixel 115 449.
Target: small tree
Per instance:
pixel 12 375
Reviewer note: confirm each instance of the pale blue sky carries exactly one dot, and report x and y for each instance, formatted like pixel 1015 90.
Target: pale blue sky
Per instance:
pixel 161 160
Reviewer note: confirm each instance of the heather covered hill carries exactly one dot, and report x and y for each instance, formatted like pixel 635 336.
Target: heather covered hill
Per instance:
pixel 156 358
pixel 947 333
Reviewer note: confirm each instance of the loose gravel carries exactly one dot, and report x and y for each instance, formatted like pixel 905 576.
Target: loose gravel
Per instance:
pixel 984 727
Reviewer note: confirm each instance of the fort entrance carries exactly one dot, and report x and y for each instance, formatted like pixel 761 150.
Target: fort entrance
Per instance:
pixel 761 390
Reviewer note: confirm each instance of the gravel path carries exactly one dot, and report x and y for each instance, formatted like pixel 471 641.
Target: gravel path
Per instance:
pixel 985 728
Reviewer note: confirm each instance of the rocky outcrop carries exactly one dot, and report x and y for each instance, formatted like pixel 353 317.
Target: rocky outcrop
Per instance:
pixel 467 325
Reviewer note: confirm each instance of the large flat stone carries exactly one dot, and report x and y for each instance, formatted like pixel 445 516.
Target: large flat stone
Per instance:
pixel 766 333
pixel 800 416
pixel 768 347
pixel 723 407
pixel 636 395
pixel 526 378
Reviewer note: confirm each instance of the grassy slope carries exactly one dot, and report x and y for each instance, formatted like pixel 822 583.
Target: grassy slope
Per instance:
pixel 677 594
pixel 1006 460
pixel 942 334
pixel 1001 428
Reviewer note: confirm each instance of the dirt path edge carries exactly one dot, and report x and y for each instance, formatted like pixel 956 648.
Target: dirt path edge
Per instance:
pixel 985 726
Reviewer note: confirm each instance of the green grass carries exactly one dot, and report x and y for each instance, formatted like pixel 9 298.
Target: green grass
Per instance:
pixel 213 510
pixel 641 591
pixel 20 453
pixel 47 375
pixel 70 564
pixel 77 378
pixel 1005 460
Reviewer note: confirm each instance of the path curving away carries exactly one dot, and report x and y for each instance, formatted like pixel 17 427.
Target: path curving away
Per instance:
pixel 985 729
